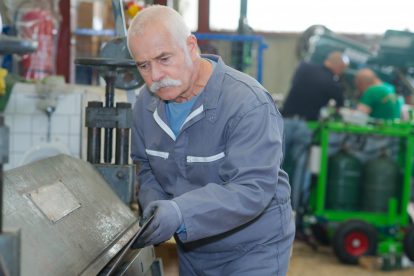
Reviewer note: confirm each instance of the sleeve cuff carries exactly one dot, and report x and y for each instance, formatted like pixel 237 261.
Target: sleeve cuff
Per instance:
pixel 182 228
pixel 180 216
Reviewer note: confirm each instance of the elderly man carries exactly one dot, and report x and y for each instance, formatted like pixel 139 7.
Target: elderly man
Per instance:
pixel 208 140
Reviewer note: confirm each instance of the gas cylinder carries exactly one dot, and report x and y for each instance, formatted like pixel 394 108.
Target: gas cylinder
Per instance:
pixel 343 183
pixel 381 181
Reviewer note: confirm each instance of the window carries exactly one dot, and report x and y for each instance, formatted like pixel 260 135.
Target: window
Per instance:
pixel 189 10
pixel 364 16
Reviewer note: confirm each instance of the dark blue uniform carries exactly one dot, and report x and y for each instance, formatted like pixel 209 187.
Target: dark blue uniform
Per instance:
pixel 223 171
pixel 313 86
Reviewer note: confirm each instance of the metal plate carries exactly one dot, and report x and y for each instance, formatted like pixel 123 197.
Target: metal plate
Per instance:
pixel 81 242
pixel 55 201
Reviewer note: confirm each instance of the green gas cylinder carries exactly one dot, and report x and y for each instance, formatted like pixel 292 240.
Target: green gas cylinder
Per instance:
pixel 343 184
pixel 381 180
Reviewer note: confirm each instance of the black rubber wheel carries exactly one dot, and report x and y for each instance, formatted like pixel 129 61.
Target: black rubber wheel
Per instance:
pixel 354 238
pixel 408 243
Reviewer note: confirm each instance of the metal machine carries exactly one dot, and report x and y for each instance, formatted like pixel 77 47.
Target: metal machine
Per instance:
pixel 118 69
pixel 70 220
pixel 119 175
pixel 62 216
pixel 9 239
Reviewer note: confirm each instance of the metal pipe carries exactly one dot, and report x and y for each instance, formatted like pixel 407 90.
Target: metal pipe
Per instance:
pixel 94 145
pixel 1 198
pixel 94 139
pixel 1 182
pixel 122 146
pixel 122 135
pixel 243 8
pixel 109 102
pixel 109 88
pixel 118 11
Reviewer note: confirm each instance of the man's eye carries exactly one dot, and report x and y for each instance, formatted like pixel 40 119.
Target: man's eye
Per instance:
pixel 165 59
pixel 144 66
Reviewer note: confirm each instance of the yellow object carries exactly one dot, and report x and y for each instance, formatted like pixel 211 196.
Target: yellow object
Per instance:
pixel 133 9
pixel 171 241
pixel 3 74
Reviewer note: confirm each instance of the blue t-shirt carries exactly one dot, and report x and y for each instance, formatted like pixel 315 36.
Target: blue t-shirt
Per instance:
pixel 178 112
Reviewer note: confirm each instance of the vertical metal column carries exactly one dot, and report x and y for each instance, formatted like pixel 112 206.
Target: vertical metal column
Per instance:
pixel 109 102
pixel 122 139
pixel 1 198
pixel 94 139
pixel 1 179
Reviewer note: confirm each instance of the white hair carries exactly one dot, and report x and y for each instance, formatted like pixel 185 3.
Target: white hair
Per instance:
pixel 170 19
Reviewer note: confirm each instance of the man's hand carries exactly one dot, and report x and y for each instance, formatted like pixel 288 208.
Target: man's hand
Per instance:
pixel 167 219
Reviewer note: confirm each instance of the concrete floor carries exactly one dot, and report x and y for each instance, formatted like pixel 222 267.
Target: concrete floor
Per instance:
pixel 305 262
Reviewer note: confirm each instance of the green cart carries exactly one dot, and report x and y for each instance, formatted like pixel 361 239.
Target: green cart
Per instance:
pixel 350 222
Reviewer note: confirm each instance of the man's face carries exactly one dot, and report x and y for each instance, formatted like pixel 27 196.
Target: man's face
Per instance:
pixel 164 64
pixel 359 84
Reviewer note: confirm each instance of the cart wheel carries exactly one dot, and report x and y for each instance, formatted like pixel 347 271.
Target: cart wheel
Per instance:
pixel 408 243
pixel 352 239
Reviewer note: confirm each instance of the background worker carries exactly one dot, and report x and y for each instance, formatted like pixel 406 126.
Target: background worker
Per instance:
pixel 208 140
pixel 378 99
pixel 313 86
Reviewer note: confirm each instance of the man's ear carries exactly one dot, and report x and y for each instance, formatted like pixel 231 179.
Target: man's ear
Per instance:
pixel 192 45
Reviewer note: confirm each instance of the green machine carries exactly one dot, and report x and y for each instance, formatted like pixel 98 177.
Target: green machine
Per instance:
pixel 361 207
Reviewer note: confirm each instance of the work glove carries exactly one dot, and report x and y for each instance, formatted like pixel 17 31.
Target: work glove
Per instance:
pixel 167 219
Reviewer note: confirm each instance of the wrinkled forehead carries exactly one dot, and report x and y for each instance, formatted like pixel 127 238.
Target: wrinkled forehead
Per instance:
pixel 155 33
pixel 155 49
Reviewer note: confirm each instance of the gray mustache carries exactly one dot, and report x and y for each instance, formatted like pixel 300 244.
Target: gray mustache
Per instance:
pixel 166 82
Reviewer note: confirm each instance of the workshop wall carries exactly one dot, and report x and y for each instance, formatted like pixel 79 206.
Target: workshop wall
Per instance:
pixel 29 125
pixel 279 63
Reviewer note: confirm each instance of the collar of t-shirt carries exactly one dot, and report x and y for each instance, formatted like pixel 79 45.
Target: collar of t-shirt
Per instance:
pixel 178 112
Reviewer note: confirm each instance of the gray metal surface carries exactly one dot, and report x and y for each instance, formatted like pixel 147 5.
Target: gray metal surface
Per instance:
pixel 10 253
pixel 118 11
pixel 78 240
pixel 137 262
pixel 106 117
pixel 127 78
pixel 14 45
pixel 141 263
pixel 121 178
pixel 55 201
pixel 4 144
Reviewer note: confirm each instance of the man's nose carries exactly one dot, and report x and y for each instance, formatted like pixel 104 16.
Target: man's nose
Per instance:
pixel 156 72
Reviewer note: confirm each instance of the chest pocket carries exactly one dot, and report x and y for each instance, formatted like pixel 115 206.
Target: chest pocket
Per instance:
pixel 155 153
pixel 207 159
pixel 164 169
pixel 204 169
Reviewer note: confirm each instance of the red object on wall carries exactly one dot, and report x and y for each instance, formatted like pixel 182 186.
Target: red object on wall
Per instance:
pixel 160 2
pixel 63 58
pixel 39 25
